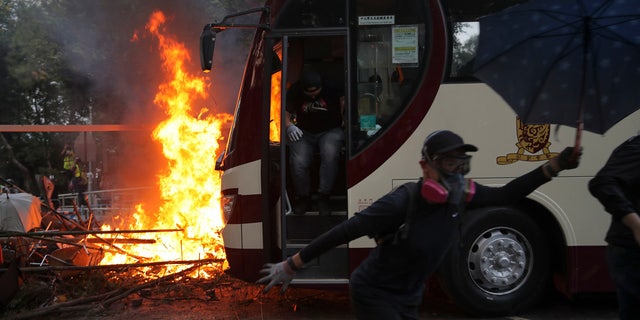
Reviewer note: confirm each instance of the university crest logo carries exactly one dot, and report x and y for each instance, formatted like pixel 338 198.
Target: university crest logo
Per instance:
pixel 532 138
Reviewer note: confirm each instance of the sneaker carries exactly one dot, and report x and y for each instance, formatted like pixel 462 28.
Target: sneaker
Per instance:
pixel 324 205
pixel 301 205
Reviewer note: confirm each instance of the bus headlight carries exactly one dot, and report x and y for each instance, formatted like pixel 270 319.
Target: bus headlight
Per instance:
pixel 226 203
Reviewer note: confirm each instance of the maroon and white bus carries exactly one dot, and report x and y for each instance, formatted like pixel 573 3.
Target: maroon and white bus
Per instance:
pixel 419 52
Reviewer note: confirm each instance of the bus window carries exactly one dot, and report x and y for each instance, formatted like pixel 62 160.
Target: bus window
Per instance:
pixel 465 45
pixel 463 18
pixel 389 57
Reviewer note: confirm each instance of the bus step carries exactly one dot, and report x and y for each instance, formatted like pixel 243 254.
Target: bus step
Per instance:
pixel 301 243
pixel 332 264
pixel 309 226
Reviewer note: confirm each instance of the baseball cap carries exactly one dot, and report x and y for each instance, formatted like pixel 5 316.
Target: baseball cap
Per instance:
pixel 311 79
pixel 443 141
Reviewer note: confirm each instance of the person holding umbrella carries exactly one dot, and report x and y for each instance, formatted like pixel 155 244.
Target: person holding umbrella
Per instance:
pixel 414 227
pixel 616 186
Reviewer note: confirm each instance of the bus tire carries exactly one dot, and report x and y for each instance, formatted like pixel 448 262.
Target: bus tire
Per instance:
pixel 500 267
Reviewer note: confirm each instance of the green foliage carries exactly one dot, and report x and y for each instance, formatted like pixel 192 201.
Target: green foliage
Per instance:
pixel 40 89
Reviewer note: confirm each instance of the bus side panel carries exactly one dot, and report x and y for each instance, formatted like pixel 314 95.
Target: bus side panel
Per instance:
pixel 245 263
pixel 588 270
pixel 243 235
pixel 247 209
pixel 243 232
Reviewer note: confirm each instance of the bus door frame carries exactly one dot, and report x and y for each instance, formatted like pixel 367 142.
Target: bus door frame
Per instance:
pixel 272 38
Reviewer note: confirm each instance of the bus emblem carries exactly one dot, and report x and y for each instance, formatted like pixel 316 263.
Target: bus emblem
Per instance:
pixel 532 138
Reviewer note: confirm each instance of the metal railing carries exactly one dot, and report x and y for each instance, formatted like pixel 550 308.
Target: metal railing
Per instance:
pixel 102 202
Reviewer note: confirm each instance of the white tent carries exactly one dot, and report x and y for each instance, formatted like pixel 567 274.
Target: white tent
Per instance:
pixel 19 212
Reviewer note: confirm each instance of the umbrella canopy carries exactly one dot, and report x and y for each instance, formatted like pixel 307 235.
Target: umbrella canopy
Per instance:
pixel 19 212
pixel 569 62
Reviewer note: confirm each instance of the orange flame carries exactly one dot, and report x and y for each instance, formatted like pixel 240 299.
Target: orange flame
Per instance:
pixel 276 105
pixel 274 128
pixel 190 189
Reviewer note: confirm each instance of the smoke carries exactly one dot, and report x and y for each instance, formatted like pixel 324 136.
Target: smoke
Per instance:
pixel 106 42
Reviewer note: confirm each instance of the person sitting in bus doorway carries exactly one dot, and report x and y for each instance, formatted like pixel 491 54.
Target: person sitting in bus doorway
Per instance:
pixel 318 127
pixel 617 187
pixel 413 236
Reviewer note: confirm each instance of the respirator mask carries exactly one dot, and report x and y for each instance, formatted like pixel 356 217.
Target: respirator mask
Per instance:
pixel 453 187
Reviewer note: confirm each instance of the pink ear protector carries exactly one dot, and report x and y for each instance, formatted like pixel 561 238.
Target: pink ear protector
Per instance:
pixel 435 193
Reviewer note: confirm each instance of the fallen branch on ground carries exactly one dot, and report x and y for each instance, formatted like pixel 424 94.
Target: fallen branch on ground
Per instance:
pixel 87 303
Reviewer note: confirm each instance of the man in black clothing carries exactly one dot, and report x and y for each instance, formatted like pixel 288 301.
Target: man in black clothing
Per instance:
pixel 318 127
pixel 390 282
pixel 617 187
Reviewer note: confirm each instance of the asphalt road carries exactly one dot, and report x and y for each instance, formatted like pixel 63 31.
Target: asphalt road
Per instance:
pixel 600 307
pixel 331 305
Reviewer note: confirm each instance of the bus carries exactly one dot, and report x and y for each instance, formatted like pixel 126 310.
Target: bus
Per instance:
pixel 416 50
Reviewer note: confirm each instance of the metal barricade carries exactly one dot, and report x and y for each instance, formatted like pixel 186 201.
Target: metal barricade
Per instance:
pixel 102 202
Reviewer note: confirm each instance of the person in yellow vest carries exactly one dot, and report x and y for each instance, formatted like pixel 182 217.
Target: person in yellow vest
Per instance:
pixel 68 159
pixel 78 183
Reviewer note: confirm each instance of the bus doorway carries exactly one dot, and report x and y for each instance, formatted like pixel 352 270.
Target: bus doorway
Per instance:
pixel 323 54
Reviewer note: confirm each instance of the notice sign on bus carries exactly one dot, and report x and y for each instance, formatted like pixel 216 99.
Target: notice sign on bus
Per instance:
pixel 404 42
pixel 376 20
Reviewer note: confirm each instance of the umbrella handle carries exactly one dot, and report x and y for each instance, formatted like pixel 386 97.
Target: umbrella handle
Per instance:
pixel 575 155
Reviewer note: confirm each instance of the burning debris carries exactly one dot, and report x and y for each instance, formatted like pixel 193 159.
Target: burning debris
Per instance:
pixel 180 240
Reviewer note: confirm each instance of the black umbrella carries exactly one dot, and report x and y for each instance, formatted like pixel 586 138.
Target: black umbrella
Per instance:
pixel 568 62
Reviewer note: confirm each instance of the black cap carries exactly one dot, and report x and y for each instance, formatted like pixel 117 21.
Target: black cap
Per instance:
pixel 311 79
pixel 443 141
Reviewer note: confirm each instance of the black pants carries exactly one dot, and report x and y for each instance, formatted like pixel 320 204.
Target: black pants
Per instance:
pixel 372 305
pixel 624 267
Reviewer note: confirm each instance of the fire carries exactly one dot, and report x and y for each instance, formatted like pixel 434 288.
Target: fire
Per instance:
pixel 274 128
pixel 276 105
pixel 190 189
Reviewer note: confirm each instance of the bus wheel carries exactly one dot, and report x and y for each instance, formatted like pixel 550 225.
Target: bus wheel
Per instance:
pixel 500 267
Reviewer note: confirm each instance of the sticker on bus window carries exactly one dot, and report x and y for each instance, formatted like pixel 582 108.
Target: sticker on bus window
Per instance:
pixel 404 41
pixel 376 20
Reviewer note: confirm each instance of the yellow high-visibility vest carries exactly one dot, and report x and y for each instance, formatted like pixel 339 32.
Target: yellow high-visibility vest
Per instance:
pixel 68 160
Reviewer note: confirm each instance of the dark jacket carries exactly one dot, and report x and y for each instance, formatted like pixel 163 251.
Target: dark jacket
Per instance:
pixel 315 115
pixel 617 187
pixel 398 271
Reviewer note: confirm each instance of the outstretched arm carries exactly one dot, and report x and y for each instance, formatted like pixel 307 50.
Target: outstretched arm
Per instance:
pixel 520 187
pixel 284 271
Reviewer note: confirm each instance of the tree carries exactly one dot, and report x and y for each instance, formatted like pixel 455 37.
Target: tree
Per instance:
pixel 41 87
pixel 76 62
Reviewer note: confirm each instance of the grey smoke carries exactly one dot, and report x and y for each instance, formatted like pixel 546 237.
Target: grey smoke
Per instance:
pixel 130 69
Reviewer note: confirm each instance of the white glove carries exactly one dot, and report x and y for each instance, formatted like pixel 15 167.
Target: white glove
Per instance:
pixel 374 131
pixel 277 273
pixel 294 133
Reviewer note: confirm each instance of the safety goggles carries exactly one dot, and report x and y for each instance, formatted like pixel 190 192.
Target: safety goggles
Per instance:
pixel 453 163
